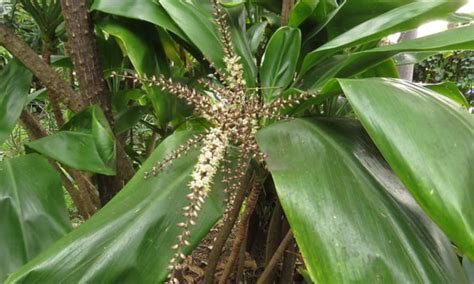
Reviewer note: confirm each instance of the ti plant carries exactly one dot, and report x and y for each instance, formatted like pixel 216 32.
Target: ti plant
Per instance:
pixel 370 174
pixel 235 113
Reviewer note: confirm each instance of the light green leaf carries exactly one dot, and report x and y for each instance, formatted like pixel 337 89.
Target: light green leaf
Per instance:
pixel 449 90
pixel 403 18
pixel 86 143
pixel 32 209
pixel 429 142
pixel 130 239
pixel 279 61
pixel 15 82
pixel 352 219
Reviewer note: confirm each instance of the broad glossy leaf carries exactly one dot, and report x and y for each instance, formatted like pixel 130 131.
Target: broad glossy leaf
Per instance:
pixel 301 11
pixel 146 10
pixel 15 82
pixel 279 61
pixel 33 214
pixel 255 35
pixel 195 18
pixel 130 239
pixel 429 142
pixel 402 18
pixel 449 90
pixel 352 64
pixel 352 219
pixel 86 143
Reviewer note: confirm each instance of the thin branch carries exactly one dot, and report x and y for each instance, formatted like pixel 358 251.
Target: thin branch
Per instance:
pixel 241 232
pixel 267 273
pixel 39 68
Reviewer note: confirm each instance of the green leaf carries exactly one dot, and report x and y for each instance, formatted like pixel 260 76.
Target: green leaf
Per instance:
pixel 33 211
pixel 400 19
pixel 237 27
pixel 352 219
pixel 449 90
pixel 349 65
pixel 86 143
pixel 145 10
pixel 195 19
pixel 279 61
pixel 255 35
pixel 130 239
pixel 428 141
pixel 301 11
pixel 135 39
pixel 128 118
pixel 15 82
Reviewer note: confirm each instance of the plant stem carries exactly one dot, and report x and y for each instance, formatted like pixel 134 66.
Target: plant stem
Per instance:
pixel 226 229
pixel 241 232
pixel 268 272
pixel 285 11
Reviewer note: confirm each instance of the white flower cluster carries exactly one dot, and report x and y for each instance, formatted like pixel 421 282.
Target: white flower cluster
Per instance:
pixel 236 72
pixel 209 159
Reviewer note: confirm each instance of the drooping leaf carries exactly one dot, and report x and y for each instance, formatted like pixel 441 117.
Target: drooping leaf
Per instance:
pixel 429 142
pixel 406 17
pixel 279 61
pixel 15 82
pixel 352 64
pixel 32 209
pixel 130 239
pixel 352 219
pixel 86 143
pixel 145 10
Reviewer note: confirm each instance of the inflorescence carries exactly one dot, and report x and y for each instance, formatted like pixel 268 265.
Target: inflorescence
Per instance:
pixel 235 114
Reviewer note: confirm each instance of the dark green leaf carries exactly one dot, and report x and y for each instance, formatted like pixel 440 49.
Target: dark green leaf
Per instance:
pixel 15 82
pixel 351 217
pixel 85 143
pixel 302 10
pixel 279 61
pixel 428 141
pixel 32 209
pixel 128 118
pixel 130 239
pixel 146 10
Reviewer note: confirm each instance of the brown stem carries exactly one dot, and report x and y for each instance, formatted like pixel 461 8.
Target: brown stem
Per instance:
pixel 241 232
pixel 268 272
pixel 226 229
pixel 286 7
pixel 39 68
pixel 273 235
pixel 53 96
pixel 241 264
pixel 89 71
pixel 289 262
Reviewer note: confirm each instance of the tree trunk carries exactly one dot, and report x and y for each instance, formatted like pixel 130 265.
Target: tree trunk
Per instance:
pixel 89 72
pixel 406 71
